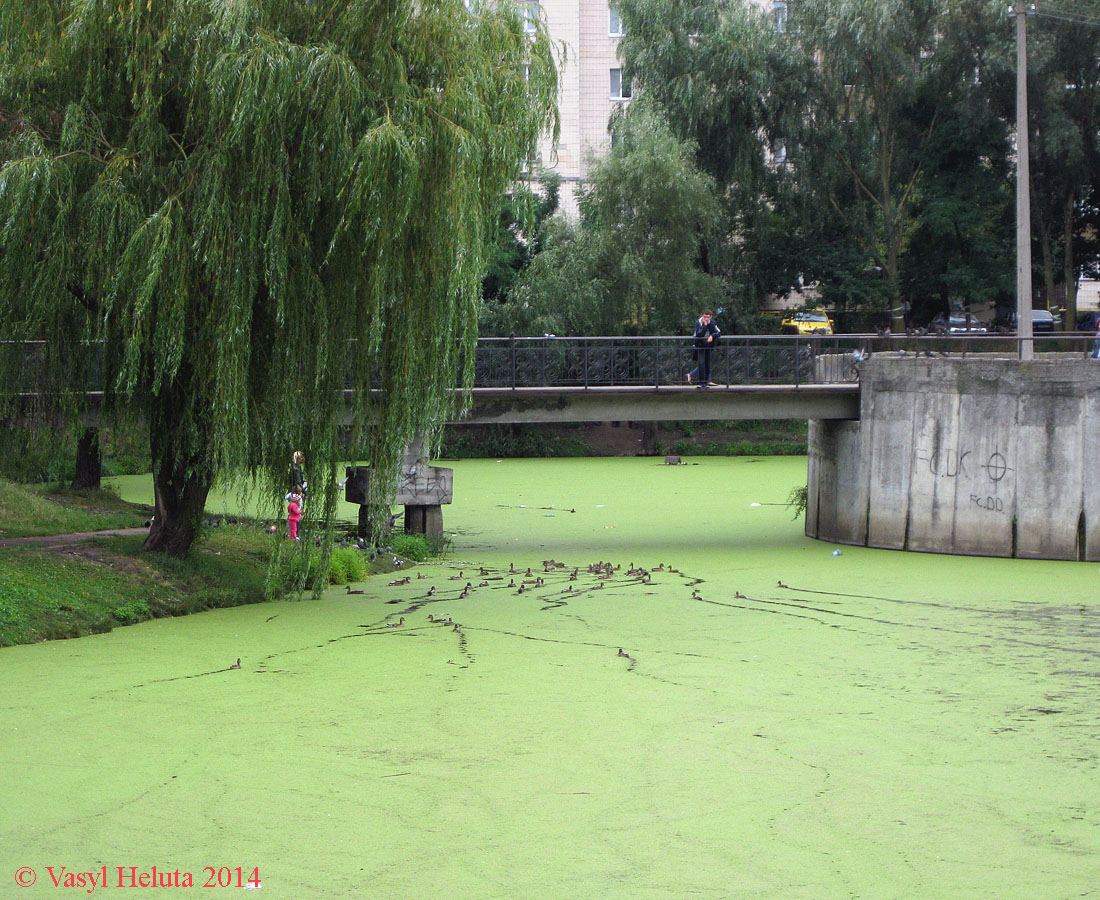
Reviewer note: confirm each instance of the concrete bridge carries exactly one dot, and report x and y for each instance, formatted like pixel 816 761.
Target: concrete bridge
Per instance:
pixel 939 444
pixel 665 404
pixel 597 379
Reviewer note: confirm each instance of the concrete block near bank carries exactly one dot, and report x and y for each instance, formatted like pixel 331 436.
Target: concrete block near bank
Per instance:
pixel 979 456
pixel 422 490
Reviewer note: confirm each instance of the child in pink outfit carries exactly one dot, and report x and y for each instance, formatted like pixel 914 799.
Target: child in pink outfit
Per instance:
pixel 293 513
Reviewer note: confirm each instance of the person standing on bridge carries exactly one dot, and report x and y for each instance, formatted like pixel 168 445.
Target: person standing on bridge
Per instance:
pixel 706 334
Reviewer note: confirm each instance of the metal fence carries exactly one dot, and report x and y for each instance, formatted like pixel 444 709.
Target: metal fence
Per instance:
pixel 662 361
pixel 599 362
pixel 735 360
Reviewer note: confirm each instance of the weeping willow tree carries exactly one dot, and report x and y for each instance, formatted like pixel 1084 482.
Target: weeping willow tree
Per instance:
pixel 247 207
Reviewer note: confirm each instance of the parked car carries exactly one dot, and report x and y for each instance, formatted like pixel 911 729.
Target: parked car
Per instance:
pixel 1089 321
pixel 1042 322
pixel 965 323
pixel 810 321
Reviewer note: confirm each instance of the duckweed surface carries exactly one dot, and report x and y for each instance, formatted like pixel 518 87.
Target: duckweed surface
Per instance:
pixel 756 718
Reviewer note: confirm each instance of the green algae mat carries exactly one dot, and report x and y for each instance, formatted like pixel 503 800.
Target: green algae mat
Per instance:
pixel 751 716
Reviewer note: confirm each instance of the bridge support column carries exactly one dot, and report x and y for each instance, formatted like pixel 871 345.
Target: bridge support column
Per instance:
pixel 422 490
pixel 981 456
pixel 426 520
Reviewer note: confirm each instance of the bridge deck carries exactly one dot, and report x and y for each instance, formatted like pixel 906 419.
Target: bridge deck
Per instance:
pixel 663 404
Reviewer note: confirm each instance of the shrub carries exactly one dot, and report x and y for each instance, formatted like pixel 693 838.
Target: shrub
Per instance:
pixel 297 572
pixel 797 499
pixel 346 565
pixel 129 613
pixel 355 565
pixel 337 569
pixel 415 547
pixel 508 441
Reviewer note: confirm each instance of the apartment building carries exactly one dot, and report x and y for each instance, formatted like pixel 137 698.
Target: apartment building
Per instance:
pixel 591 83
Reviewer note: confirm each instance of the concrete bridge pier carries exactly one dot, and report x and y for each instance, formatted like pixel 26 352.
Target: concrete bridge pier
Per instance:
pixel 979 456
pixel 422 490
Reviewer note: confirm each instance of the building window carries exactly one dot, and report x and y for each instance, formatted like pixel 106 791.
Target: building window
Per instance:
pixel 779 10
pixel 614 22
pixel 620 87
pixel 530 16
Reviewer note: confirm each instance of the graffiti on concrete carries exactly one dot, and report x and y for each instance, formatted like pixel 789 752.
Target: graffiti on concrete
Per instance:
pixel 944 463
pixel 990 504
pixel 952 464
pixel 961 464
pixel 996 467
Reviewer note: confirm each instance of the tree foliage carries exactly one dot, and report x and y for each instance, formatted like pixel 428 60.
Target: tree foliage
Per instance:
pixel 852 147
pixel 255 204
pixel 1064 136
pixel 518 238
pixel 631 265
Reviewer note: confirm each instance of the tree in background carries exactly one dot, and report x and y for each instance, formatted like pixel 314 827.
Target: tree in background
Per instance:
pixel 727 81
pixel 631 265
pixel 253 206
pixel 521 226
pixel 840 141
pixel 1064 122
pixel 962 243
pixel 886 74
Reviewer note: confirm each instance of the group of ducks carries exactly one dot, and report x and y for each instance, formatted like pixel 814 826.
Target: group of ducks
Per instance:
pixel 529 581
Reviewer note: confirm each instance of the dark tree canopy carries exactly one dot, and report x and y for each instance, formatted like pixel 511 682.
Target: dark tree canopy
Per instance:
pixel 839 139
pixel 254 204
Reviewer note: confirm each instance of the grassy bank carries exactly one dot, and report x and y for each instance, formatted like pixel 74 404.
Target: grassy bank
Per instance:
pixel 92 587
pixel 28 511
pixel 72 588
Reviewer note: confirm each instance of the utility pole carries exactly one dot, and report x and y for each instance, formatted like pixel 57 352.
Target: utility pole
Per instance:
pixel 1023 195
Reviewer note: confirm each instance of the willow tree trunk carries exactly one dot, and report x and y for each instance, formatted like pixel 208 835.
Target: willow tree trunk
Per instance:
pixel 89 462
pixel 180 501
pixel 183 471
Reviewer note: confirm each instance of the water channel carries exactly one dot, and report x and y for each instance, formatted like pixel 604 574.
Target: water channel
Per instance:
pixel 759 717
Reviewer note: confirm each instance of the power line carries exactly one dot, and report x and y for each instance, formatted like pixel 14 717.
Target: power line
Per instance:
pixel 1063 15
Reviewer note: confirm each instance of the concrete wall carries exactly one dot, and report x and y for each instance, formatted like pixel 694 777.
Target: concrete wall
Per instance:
pixel 977 456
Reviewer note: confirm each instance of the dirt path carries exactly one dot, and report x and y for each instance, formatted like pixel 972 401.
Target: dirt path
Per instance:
pixel 65 540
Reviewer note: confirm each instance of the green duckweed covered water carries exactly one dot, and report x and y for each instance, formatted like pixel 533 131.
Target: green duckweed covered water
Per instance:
pixel 869 725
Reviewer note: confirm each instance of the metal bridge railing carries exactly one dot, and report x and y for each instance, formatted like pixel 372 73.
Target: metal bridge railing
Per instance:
pixel 590 362
pixel 789 360
pixel 655 362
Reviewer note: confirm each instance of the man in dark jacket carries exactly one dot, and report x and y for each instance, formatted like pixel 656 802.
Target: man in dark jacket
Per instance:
pixel 706 334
